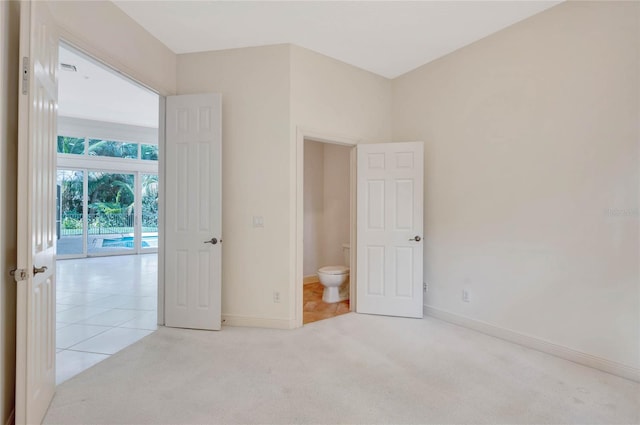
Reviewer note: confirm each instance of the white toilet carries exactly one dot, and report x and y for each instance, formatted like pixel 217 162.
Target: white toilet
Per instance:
pixel 333 277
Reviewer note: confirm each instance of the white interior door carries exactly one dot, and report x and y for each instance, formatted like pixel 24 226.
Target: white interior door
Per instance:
pixel 193 212
pixel 389 230
pixel 35 338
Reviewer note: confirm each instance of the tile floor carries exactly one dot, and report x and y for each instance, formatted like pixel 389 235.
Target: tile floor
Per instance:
pixel 315 309
pixel 103 304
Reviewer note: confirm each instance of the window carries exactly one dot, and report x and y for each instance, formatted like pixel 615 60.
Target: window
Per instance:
pixel 107 148
pixel 149 152
pixel 113 149
pixel 69 217
pixel 71 145
pixel 107 201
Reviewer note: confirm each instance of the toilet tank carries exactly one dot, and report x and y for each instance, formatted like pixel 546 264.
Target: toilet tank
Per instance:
pixel 346 250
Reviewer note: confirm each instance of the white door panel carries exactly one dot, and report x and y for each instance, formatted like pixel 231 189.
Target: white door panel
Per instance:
pixel 193 212
pixel 35 337
pixel 390 203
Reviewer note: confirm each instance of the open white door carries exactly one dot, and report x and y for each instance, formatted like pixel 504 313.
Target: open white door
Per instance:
pixel 193 212
pixel 35 276
pixel 389 240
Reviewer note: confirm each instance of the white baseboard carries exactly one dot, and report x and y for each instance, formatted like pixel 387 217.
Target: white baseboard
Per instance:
pixel 566 353
pixel 256 322
pixel 310 279
pixel 11 420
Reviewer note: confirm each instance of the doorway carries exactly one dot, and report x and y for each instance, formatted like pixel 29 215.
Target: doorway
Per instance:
pixel 106 212
pixel 326 230
pixel 326 227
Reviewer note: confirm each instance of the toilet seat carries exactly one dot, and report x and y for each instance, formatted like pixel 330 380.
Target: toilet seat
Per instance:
pixel 334 270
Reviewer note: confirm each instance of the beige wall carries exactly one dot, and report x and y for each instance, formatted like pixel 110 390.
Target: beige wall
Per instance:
pixel 104 31
pixel 254 83
pixel 269 92
pixel 9 37
pixel 332 97
pixel 531 177
pixel 326 204
pixel 313 206
pixel 332 101
pixel 336 202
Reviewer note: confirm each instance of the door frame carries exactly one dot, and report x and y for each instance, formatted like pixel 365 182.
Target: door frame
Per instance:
pixel 303 134
pixel 87 50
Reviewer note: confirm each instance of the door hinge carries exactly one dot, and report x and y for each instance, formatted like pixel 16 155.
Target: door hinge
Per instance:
pixel 19 274
pixel 25 75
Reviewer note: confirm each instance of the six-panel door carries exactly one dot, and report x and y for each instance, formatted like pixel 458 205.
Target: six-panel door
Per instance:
pixel 389 247
pixel 193 212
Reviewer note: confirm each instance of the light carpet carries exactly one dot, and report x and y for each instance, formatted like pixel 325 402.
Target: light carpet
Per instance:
pixel 351 369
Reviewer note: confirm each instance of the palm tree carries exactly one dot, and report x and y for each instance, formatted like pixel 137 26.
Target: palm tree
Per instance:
pixel 150 200
pixel 71 145
pixel 149 152
pixel 113 149
pixel 111 199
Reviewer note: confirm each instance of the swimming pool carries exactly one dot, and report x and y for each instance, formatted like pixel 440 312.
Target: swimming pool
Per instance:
pixel 128 242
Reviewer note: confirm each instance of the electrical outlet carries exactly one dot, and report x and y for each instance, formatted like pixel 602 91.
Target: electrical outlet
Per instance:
pixel 466 296
pixel 276 296
pixel 425 287
pixel 258 221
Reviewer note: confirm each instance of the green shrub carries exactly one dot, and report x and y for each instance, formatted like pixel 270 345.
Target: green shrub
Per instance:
pixel 71 223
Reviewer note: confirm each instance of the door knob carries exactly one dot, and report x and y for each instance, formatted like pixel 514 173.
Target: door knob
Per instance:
pixel 213 241
pixel 416 238
pixel 37 270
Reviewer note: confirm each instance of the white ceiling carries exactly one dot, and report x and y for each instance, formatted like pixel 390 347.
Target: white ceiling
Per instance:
pixel 388 38
pixel 98 93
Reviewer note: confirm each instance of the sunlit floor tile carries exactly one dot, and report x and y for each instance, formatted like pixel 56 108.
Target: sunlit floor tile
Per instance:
pixel 94 295
pixel 113 317
pixel 111 341
pixel 73 334
pixel 79 313
pixel 147 320
pixel 70 363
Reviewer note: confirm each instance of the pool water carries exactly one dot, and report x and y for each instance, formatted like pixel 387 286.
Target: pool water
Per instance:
pixel 128 242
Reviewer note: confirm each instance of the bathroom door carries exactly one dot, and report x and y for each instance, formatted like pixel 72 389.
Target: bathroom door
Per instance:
pixel 193 211
pixel 389 237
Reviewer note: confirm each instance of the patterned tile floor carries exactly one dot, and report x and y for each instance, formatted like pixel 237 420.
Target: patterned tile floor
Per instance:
pixel 315 309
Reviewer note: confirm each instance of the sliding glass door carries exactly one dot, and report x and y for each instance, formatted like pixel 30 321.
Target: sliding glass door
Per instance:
pixel 111 213
pixel 106 213
pixel 70 223
pixel 107 188
pixel 149 211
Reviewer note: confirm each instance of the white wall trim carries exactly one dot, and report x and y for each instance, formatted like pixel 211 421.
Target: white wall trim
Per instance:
pixel 257 322
pixel 561 351
pixel 162 148
pixel 312 278
pixel 11 420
